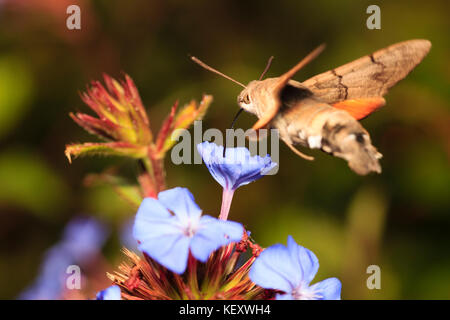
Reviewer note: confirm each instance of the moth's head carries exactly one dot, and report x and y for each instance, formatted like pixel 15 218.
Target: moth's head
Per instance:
pixel 246 99
pixel 257 96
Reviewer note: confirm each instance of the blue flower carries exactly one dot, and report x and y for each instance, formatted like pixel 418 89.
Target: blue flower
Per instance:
pixel 81 242
pixel 110 293
pixel 291 269
pixel 232 170
pixel 49 284
pixel 83 238
pixel 237 168
pixel 170 227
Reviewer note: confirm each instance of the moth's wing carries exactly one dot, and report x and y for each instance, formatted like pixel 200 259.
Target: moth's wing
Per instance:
pixel 360 108
pixel 369 76
pixel 274 103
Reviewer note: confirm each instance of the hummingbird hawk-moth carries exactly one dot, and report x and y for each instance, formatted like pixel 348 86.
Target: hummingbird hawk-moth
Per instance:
pixel 323 111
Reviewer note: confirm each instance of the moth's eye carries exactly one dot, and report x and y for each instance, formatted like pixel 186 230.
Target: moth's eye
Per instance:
pixel 246 99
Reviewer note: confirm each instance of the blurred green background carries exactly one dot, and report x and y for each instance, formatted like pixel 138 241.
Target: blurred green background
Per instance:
pixel 399 220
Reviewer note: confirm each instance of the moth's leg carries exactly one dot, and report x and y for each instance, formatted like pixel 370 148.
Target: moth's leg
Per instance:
pixel 304 156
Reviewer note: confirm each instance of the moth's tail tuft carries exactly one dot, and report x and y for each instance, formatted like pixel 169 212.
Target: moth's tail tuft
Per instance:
pixel 350 141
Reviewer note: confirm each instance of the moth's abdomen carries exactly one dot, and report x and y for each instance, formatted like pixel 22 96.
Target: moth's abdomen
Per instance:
pixel 304 121
pixel 317 125
pixel 347 139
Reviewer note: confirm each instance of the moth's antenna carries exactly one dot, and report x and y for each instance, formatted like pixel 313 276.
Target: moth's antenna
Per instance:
pixel 269 62
pixel 204 65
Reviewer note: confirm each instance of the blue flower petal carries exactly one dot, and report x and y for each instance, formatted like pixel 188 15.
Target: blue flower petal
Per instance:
pixel 304 260
pixel 110 293
pixel 207 151
pixel 181 202
pixel 163 240
pixel 147 229
pixel 237 168
pixel 153 208
pixel 169 250
pixel 286 296
pixel 152 220
pixel 329 289
pixel 273 270
pixel 212 234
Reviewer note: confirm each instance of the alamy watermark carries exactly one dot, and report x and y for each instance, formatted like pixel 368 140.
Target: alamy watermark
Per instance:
pixel 374 20
pixel 73 21
pixel 73 281
pixel 374 280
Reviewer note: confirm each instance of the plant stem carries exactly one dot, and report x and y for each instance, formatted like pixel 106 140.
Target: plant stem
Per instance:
pixel 146 179
pixel 158 172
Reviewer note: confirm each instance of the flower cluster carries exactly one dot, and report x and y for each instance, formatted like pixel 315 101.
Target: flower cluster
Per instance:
pixel 123 123
pixel 184 253
pixel 188 255
pixel 122 120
